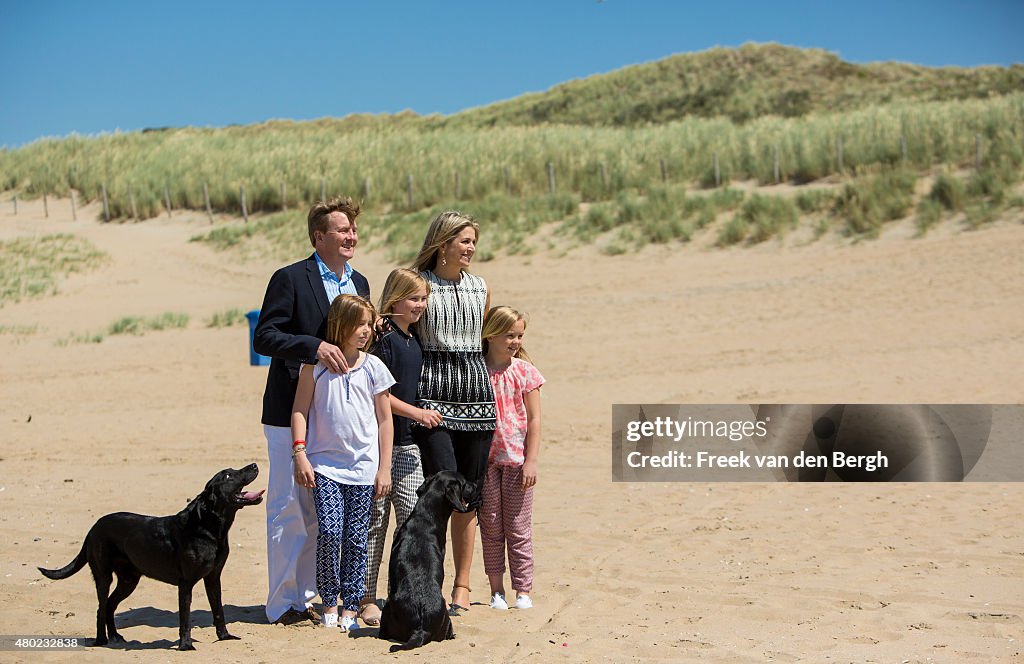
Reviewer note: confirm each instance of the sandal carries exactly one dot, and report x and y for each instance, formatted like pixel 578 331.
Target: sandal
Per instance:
pixel 454 608
pixel 370 614
pixel 348 624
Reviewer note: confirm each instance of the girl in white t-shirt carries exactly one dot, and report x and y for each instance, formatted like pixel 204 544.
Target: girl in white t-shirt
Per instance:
pixel 506 512
pixel 341 425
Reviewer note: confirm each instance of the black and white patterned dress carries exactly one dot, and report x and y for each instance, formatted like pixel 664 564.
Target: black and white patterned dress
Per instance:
pixel 454 379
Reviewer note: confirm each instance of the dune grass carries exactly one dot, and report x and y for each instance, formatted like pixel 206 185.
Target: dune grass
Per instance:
pixel 227 318
pixel 665 213
pixel 760 218
pixel 858 207
pixel 83 338
pixel 868 202
pixel 507 223
pixel 373 160
pixel 138 325
pixel 740 84
pixel 32 267
pixel 133 325
pixel 18 330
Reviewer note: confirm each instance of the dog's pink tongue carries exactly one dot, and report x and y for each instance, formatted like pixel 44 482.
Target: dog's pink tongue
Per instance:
pixel 253 495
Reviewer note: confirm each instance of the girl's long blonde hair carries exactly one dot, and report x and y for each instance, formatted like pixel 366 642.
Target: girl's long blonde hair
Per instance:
pixel 498 321
pixel 443 228
pixel 344 317
pixel 401 284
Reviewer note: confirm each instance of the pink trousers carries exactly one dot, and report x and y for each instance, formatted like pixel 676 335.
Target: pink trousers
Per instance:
pixel 506 518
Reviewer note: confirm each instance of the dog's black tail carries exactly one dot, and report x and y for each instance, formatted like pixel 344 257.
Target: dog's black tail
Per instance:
pixel 418 637
pixel 69 569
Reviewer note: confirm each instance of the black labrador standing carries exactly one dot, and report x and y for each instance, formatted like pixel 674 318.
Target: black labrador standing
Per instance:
pixel 178 549
pixel 416 612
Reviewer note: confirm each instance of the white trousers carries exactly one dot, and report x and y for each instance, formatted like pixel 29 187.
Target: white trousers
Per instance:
pixel 291 531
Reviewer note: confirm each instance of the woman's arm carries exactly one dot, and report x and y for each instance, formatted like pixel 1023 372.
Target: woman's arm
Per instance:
pixel 532 401
pixel 300 411
pixel 385 437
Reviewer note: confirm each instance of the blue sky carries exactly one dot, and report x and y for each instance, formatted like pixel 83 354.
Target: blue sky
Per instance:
pixel 90 67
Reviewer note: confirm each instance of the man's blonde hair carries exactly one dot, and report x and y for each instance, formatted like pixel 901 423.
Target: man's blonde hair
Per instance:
pixel 316 220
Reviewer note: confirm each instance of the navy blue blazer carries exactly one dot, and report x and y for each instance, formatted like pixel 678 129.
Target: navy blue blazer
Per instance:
pixel 293 322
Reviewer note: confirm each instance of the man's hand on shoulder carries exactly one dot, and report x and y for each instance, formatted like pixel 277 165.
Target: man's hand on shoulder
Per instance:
pixel 332 357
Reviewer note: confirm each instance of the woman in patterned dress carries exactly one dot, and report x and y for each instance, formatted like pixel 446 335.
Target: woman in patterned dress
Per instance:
pixel 454 379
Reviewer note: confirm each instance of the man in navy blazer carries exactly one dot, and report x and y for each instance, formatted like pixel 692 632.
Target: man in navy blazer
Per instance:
pixel 291 331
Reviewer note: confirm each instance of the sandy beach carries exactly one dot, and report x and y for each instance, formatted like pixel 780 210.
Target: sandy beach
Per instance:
pixel 626 572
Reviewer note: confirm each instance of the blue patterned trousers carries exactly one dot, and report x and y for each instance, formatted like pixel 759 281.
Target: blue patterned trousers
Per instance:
pixel 343 519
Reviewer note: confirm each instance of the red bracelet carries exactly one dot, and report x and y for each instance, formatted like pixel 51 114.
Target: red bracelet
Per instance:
pixel 297 443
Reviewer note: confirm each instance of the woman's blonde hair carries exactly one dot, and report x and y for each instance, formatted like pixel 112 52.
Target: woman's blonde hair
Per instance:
pixel 498 321
pixel 401 284
pixel 443 228
pixel 344 316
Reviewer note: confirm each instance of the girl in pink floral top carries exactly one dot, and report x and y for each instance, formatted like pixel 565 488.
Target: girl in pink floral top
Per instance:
pixel 506 512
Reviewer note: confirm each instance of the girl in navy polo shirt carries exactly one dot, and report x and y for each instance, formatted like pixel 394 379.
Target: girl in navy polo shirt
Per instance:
pixel 401 304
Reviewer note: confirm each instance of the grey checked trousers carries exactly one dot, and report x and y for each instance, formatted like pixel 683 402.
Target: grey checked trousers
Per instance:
pixel 406 477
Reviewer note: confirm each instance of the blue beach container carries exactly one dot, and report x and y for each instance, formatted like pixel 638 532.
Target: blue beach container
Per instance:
pixel 255 359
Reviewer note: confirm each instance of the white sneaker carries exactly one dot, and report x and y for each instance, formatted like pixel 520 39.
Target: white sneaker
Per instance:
pixel 524 602
pixel 349 623
pixel 329 620
pixel 498 602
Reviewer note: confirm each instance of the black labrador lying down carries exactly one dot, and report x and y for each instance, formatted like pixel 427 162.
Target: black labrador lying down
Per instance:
pixel 416 612
pixel 179 550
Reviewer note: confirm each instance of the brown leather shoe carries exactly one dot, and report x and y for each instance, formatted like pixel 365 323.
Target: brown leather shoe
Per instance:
pixel 292 617
pixel 313 615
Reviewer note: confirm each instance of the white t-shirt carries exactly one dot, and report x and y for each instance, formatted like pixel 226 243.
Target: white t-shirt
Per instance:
pixel 341 441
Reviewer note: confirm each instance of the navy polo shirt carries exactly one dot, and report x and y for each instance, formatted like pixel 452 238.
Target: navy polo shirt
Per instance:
pixel 403 356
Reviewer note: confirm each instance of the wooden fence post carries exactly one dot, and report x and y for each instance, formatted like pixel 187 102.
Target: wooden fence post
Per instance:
pixel 604 176
pixel 74 214
pixel 718 172
pixel 167 200
pixel 206 200
pixel 131 199
pixel 46 206
pixel 245 211
pixel 551 178
pixel 775 162
pixel 508 183
pixel 664 170
pixel 408 190
pixel 284 192
pixel 977 152
pixel 366 188
pixel 106 204
pixel 839 152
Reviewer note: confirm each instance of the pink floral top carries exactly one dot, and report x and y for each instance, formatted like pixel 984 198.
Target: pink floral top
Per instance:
pixel 508 448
